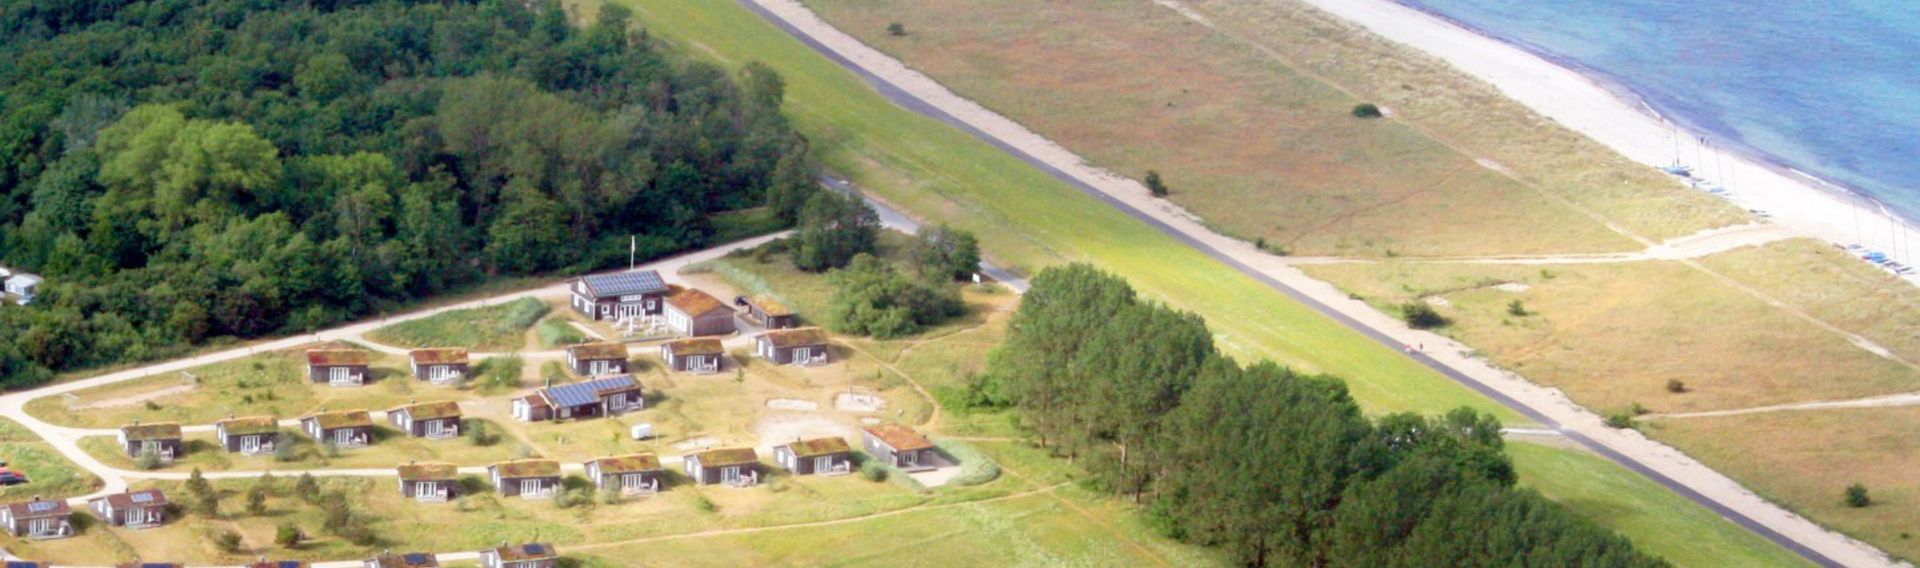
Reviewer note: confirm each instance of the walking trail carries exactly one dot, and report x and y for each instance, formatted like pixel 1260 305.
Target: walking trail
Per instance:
pixel 1659 462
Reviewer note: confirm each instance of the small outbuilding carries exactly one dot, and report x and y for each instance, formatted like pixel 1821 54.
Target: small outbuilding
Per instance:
pixel 252 435
pixel 770 313
pixel 620 295
pixel 694 313
pixel 37 519
pixel 598 358
pixel 824 456
pixel 798 346
pixel 636 474
pixel 23 286
pixel 344 428
pixel 338 367
pixel 439 366
pixel 160 438
pixel 605 396
pixel 436 420
pixel 697 355
pixel 527 479
pixel 134 509
pixel 430 482
pixel 898 446
pixel 733 467
pixel 404 560
pixel 530 555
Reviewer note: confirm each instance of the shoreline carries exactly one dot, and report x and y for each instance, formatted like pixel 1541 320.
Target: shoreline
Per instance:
pixel 1607 110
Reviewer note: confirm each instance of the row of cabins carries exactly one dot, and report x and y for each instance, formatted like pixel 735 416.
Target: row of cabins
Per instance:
pixel 352 367
pixel 529 555
pixel 256 435
pixel 52 518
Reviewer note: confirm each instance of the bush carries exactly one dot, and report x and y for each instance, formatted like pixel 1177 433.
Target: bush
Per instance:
pixel 477 433
pixel 306 488
pixel 704 505
pixel 1367 110
pixel 873 471
pixel 896 29
pixel 1857 496
pixel 1155 185
pixel 288 535
pixel 257 500
pixel 523 312
pixel 197 483
pixel 557 332
pixel 149 460
pixel 500 372
pixel 1420 315
pixel 1676 386
pixel 975 467
pixel 1622 420
pixel 1518 309
pixel 227 541
pixel 207 505
pixel 871 298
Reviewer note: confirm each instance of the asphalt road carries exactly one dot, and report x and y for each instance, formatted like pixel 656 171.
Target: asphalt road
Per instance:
pixel 913 103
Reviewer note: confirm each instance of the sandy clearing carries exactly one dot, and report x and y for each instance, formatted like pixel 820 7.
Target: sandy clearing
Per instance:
pixel 1550 404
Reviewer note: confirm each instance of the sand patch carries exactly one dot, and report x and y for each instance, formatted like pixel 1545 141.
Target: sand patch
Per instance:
pixel 695 443
pixel 858 402
pixel 792 404
pixel 1514 287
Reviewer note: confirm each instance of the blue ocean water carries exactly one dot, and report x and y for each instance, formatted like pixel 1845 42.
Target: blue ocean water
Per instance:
pixel 1828 87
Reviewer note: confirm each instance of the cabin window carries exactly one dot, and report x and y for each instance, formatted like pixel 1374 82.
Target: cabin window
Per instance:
pixel 730 474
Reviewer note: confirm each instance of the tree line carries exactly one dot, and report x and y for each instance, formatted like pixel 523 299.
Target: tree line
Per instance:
pixel 187 170
pixel 1273 466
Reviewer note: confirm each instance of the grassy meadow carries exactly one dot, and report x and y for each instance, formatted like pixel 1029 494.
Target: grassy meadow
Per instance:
pixel 49 474
pixel 501 327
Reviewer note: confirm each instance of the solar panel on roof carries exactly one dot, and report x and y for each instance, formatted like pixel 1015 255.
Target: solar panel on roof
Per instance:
pixel 41 506
pixel 585 393
pixel 289 564
pixel 536 549
pixel 20 564
pixel 141 497
pixel 625 283
pixel 416 558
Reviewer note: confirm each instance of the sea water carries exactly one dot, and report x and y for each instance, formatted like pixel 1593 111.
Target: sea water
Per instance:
pixel 1828 87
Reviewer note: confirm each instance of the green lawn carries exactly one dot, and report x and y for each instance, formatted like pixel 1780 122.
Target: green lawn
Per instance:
pixel 1027 220
pixel 49 474
pixel 492 328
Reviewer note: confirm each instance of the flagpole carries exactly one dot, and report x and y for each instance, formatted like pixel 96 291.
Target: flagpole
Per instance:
pixel 633 245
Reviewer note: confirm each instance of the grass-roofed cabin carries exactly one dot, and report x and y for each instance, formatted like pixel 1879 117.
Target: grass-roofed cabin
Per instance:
pixel 620 295
pixel 898 446
pixel 598 358
pixel 824 456
pixel 404 560
pixel 733 467
pixel 338 367
pixel 430 482
pixel 605 396
pixel 636 474
pixel 694 313
pixel 436 420
pixel 37 519
pixel 527 479
pixel 344 428
pixel 799 346
pixel 160 438
pixel 699 355
pixel 439 365
pixel 770 313
pixel 134 509
pixel 252 435
pixel 530 555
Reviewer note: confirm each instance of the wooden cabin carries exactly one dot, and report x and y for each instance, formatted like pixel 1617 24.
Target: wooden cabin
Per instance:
pixel 635 474
pixel 620 295
pixel 439 366
pixel 431 482
pixel 163 439
pixel 598 358
pixel 437 420
pixel 694 313
pixel 527 479
pixel 697 355
pixel 798 346
pixel 531 555
pixel 135 509
pixel 344 429
pixel 338 367
pixel 824 456
pixel 770 313
pixel 605 396
pixel 253 435
pixel 37 519
pixel 734 467
pixel 898 446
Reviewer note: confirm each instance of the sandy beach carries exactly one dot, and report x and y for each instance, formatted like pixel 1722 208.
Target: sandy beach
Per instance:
pixel 1809 206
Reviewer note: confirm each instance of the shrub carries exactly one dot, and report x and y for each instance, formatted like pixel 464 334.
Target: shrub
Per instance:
pixel 523 312
pixel 1155 185
pixel 704 505
pixel 149 460
pixel 1638 409
pixel 557 332
pixel 227 541
pixel 207 505
pixel 477 433
pixel 1676 386
pixel 283 449
pixel 1420 315
pixel 873 471
pixel 1366 110
pixel 257 500
pixel 306 488
pixel 500 372
pixel 975 467
pixel 896 29
pixel 197 483
pixel 1857 496
pixel 1622 420
pixel 288 535
pixel 1518 309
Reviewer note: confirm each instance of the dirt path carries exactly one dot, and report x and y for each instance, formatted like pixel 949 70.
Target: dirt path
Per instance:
pixel 1659 462
pixel 1706 243
pixel 1893 400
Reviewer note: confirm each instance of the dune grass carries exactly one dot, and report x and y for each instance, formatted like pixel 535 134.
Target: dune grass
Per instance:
pixel 492 328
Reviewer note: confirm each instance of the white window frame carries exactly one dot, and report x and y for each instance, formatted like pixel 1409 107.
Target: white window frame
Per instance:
pixel 249 444
pixel 823 464
pixel 730 474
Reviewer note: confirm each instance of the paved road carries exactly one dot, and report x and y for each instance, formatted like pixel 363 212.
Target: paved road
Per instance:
pixel 915 103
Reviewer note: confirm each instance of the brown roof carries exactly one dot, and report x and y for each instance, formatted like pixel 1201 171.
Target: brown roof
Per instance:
pixel 152 498
pixel 628 463
pixel 431 410
pixel 428 471
pixel 899 437
pixel 702 346
pixel 341 419
pixel 409 560
pixel 251 425
pixel 537 399
pixel 819 447
pixel 599 350
pixel 528 468
pixel 438 356
pixel 770 305
pixel 337 358
pixel 727 456
pixel 796 337
pixel 154 431
pixel 695 303
pixel 46 508
pixel 529 551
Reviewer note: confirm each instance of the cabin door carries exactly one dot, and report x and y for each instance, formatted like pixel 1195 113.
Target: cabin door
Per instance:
pixel 730 474
pixel 343 437
pixel 40 526
pixel 910 458
pixel 437 429
pixel 823 464
pixel 530 487
pixel 249 444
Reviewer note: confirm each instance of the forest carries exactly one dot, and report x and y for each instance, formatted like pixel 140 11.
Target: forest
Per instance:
pixel 189 171
pixel 1275 467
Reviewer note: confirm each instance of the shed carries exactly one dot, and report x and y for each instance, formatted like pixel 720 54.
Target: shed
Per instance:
pixel 826 456
pixel 694 313
pixel 23 286
pixel 338 367
pixel 898 446
pixel 430 482
pixel 737 467
pixel 530 555
pixel 598 358
pixel 37 519
pixel 620 295
pixel 134 509
pixel 633 474
pixel 252 435
pixel 161 438
pixel 770 312
pixel 439 366
pixel 437 420
pixel 697 355
pixel 343 428
pixel 528 479
pixel 798 346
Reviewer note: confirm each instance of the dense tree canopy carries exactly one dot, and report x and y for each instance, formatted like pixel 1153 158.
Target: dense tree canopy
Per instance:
pixel 1275 467
pixel 181 170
